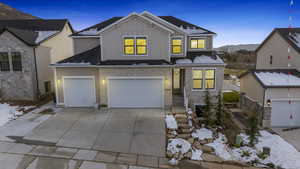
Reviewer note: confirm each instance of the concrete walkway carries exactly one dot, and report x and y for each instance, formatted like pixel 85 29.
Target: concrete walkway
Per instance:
pixel 291 136
pixel 139 131
pixel 24 156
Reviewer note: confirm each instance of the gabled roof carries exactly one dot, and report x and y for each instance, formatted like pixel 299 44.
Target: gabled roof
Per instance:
pixel 33 31
pixel 276 78
pixel 181 24
pixel 288 34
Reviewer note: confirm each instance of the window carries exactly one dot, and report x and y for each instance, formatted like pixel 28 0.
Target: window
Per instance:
pixel 141 46
pixel 16 61
pixel 210 79
pixel 47 86
pixel 4 61
pixel 176 46
pixel 271 60
pixel 197 43
pixel 135 46
pixel 204 78
pixel 197 79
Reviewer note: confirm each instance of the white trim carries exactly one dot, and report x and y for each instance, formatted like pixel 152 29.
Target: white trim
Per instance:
pixel 133 14
pixel 203 79
pixel 135 36
pixel 174 37
pixel 132 78
pixel 79 77
pixel 101 47
pixel 159 19
pixel 55 85
pixel 89 36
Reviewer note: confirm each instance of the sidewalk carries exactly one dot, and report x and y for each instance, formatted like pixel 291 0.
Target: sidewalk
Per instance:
pixel 23 156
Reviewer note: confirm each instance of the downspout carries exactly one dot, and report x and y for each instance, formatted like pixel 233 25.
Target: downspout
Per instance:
pixel 36 73
pixel 263 105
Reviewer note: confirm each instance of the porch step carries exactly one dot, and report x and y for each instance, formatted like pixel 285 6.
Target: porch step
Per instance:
pixel 180 116
pixel 184 131
pixel 182 121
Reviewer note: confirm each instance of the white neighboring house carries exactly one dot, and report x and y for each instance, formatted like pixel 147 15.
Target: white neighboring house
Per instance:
pixel 273 89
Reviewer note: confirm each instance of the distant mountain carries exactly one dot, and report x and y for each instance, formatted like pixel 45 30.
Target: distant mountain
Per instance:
pixel 234 48
pixel 7 12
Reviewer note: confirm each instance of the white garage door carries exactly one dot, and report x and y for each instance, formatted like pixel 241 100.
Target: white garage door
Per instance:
pixel 135 92
pixel 285 114
pixel 79 91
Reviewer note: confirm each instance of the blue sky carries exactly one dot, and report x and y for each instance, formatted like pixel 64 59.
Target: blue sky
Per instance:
pixel 235 21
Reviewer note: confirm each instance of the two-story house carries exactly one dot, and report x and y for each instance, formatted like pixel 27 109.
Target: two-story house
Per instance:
pixel 140 60
pixel 274 87
pixel 27 47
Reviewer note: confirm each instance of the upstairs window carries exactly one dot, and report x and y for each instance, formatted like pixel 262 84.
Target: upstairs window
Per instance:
pixel 4 61
pixel 135 46
pixel 16 61
pixel 204 79
pixel 197 43
pixel 176 46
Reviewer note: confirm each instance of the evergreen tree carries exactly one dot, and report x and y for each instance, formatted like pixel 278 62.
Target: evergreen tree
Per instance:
pixel 207 109
pixel 253 133
pixel 220 110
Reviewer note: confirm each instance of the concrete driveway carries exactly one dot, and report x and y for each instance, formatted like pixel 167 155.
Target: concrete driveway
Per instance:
pixel 138 131
pixel 291 136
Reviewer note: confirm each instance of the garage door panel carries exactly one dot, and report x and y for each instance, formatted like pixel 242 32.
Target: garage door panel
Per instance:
pixel 135 93
pixel 285 114
pixel 79 92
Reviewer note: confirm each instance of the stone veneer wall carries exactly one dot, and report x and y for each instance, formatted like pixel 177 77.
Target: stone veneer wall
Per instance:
pixel 264 113
pixel 18 85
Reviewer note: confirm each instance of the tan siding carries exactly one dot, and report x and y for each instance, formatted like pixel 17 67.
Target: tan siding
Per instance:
pixel 61 45
pixel 252 88
pixel 76 72
pixel 45 73
pixel 84 44
pixel 278 48
pixel 112 40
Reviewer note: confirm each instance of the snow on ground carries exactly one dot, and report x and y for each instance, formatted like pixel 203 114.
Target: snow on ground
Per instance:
pixel 278 79
pixel 221 148
pixel 8 113
pixel 196 155
pixel 178 145
pixel 282 153
pixel 171 122
pixel 202 134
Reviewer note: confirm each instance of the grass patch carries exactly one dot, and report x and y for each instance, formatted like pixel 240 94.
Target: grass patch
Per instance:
pixel 236 72
pixel 231 97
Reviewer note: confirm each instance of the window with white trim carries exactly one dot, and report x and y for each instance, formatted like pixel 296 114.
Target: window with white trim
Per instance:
pixel 135 45
pixel 197 43
pixel 204 79
pixel 176 45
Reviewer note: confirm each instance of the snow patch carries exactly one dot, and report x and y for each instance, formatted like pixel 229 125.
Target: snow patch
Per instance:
pixel 171 122
pixel 42 35
pixel 196 155
pixel 8 113
pixel 178 145
pixel 221 148
pixel 278 79
pixel 202 134
pixel 203 59
pixel 183 61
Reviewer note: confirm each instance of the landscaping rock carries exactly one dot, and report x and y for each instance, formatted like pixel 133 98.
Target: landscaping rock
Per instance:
pixel 169 154
pixel 184 136
pixel 267 150
pixel 197 145
pixel 191 140
pixel 183 125
pixel 211 158
pixel 188 155
pixel 207 149
pixel 180 116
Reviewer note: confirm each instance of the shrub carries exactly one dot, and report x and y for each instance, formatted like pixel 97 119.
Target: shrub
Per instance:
pixel 220 110
pixel 253 132
pixel 208 110
pixel 231 97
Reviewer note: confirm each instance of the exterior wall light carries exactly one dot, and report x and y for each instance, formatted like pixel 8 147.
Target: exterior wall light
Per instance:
pixel 103 81
pixel 269 102
pixel 58 81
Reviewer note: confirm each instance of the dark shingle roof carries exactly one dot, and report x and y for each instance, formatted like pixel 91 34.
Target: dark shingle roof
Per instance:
pixel 171 19
pixel 284 33
pixel 92 56
pixel 26 30
pixel 27 37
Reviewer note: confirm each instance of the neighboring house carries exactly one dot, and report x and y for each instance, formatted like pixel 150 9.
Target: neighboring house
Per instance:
pixel 140 60
pixel 274 87
pixel 27 48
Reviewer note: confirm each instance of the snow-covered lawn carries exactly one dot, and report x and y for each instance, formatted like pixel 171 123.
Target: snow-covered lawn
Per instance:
pixel 8 112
